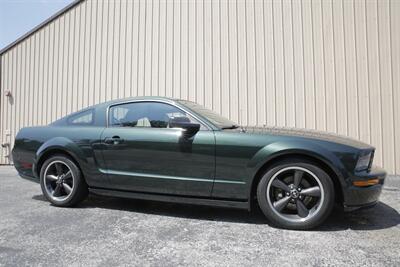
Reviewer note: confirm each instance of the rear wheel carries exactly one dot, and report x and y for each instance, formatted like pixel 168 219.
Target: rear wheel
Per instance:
pixel 62 182
pixel 296 194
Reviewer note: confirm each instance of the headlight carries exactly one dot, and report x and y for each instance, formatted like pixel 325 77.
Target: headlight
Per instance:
pixel 363 162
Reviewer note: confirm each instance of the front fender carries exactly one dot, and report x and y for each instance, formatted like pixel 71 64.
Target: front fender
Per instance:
pixel 277 149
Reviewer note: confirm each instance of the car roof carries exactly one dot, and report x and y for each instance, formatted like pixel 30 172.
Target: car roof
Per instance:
pixel 136 98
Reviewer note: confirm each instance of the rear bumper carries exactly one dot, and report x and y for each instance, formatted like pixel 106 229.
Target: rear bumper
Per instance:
pixel 360 197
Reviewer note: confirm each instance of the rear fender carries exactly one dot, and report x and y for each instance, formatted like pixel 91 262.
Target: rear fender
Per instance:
pixel 61 144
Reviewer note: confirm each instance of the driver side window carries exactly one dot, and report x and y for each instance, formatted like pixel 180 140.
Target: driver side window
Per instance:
pixel 146 114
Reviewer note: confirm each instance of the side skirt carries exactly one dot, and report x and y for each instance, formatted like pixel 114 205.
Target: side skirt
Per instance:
pixel 172 198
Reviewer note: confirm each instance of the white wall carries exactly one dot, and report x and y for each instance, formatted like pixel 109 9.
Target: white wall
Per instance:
pixel 327 65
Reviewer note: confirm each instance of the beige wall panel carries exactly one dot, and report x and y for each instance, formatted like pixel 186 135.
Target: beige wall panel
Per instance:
pixel 2 105
pixel 330 65
pixel 216 56
pixel 270 81
pixel 319 66
pixel 199 52
pixel 298 64
pixel 208 59
pixel 259 56
pixel 309 70
pixel 176 49
pixel 233 61
pixel 251 64
pixel 395 70
pixel 340 67
pixel 288 55
pixel 350 64
pixel 362 70
pixel 280 100
pixel 385 57
pixel 373 77
pixel 155 48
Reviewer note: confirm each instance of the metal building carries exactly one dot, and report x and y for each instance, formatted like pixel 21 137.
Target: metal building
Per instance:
pixel 327 65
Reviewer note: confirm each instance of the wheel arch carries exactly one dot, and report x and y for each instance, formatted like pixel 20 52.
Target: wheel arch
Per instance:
pixel 58 146
pixel 323 164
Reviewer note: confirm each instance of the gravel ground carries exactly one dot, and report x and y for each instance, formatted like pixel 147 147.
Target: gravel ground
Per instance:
pixel 110 231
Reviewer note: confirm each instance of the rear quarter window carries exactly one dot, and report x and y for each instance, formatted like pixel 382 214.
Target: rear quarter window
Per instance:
pixel 82 118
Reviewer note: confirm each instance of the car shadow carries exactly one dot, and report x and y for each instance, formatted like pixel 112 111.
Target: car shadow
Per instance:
pixel 381 216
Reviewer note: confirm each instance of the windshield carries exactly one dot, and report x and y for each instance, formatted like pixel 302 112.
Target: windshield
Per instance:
pixel 210 115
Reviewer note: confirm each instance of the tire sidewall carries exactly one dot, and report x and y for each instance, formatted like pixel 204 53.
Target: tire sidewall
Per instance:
pixel 317 219
pixel 77 178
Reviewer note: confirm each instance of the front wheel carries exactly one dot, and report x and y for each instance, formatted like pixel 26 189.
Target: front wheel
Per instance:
pixel 296 194
pixel 62 182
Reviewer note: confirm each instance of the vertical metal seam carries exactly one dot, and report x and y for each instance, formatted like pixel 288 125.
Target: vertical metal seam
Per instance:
pixel 220 57
pixel 188 49
pixel 237 67
pixel 72 57
pixel 313 67
pixel 119 54
pixel 138 49
pixel 324 67
pixel 265 66
pixel 392 86
pixel 144 48
pixel 356 70
pixel 79 56
pixel 158 48
pixel 284 65
pixel 380 83
pixel 132 52
pixel 195 50
pixel 368 79
pixel 293 66
pixel 173 49
pixel 303 64
pixel 204 60
pixel 53 88
pixel 49 70
pixel 334 69
pixel 180 50
pixel 229 63
pixel 95 57
pixel 85 43
pixel 255 57
pixel 345 71
pixel 151 45
pixel 166 45
pixel 247 63
pixel 112 50
pixel 212 54
pixel 274 72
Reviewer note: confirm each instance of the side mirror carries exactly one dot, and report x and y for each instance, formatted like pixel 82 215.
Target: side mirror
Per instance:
pixel 190 128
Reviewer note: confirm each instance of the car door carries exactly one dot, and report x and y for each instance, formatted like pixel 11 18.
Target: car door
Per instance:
pixel 143 154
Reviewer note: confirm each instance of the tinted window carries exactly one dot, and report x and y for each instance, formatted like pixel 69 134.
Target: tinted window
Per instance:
pixel 145 114
pixel 212 116
pixel 82 118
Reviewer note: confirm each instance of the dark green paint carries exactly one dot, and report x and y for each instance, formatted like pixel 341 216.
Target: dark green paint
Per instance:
pixel 214 164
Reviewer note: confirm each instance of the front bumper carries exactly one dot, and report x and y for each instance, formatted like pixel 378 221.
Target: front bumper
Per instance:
pixel 358 197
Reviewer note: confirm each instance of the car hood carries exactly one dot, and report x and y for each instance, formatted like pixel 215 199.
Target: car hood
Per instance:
pixel 307 133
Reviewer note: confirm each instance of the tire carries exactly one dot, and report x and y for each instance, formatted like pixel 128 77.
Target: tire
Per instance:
pixel 62 182
pixel 280 203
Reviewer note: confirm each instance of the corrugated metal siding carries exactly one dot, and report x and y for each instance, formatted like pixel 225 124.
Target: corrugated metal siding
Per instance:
pixel 327 65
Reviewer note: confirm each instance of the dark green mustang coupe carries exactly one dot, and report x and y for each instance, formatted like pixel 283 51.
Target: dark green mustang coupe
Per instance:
pixel 175 150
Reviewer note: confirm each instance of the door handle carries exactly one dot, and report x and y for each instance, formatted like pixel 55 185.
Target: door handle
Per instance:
pixel 115 140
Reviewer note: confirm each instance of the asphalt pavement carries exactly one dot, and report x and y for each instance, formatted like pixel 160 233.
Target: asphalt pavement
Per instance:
pixel 112 232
